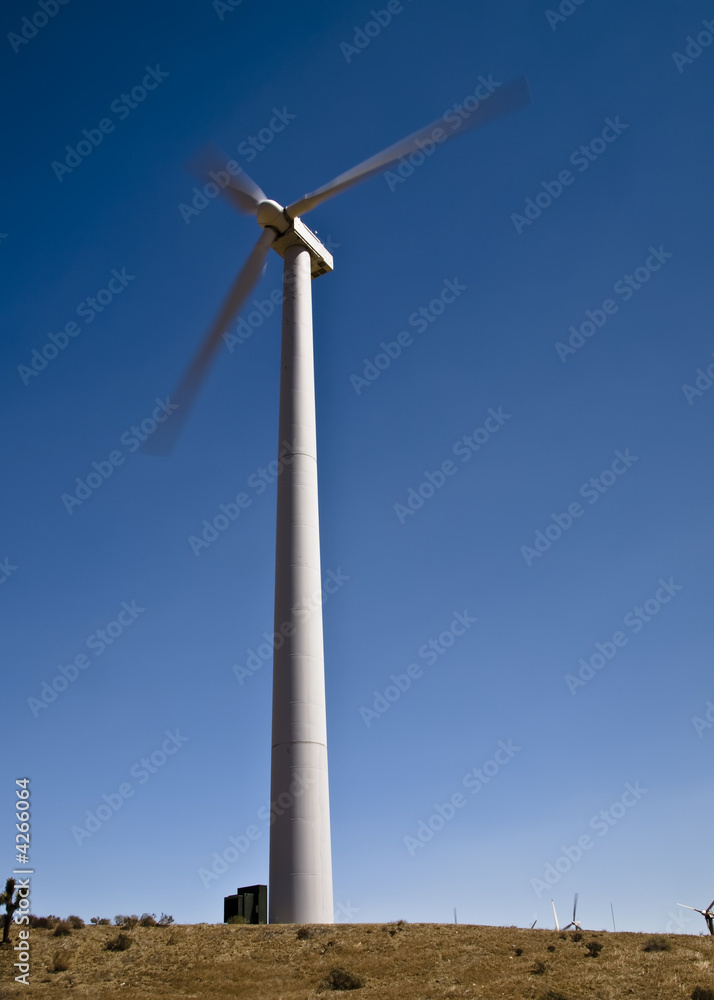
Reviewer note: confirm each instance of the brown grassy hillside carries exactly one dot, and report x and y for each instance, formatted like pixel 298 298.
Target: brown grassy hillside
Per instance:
pixel 395 961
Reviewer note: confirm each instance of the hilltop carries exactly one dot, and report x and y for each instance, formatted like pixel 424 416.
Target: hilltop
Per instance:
pixel 395 961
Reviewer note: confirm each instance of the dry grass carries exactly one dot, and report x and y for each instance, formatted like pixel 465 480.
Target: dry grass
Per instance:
pixel 395 961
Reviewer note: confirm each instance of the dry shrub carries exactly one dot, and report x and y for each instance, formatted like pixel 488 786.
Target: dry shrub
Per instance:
pixel 553 995
pixel 538 968
pixel 60 961
pixel 303 933
pixel 657 943
pixel 593 949
pixel 236 920
pixel 341 979
pixel 702 993
pixel 99 920
pixel 518 951
pixel 61 930
pixel 76 923
pixel 119 943
pixel 577 936
pixel 148 920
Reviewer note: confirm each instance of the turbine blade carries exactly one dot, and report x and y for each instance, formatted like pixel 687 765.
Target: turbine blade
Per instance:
pixel 163 440
pixel 240 189
pixel 557 926
pixel 575 905
pixel 690 908
pixel 508 98
pixel 710 906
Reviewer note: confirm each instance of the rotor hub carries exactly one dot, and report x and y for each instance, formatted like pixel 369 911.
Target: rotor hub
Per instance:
pixel 270 213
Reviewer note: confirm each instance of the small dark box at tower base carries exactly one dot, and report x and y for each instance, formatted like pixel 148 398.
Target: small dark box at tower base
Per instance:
pixel 250 902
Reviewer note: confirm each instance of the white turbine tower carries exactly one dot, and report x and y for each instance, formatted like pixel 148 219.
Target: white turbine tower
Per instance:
pixel 300 882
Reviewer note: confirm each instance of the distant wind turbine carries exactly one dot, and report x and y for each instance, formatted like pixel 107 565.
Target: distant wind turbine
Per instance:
pixel 574 923
pixel 708 914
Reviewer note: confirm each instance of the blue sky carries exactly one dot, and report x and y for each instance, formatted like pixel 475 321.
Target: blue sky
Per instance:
pixel 544 422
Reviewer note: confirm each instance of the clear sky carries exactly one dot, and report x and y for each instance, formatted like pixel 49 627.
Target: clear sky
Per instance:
pixel 551 278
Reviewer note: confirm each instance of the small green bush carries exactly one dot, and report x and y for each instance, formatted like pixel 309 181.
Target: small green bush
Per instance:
pixel 119 943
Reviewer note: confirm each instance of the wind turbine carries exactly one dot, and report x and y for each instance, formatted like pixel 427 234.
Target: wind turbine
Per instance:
pixel 300 879
pixel 574 923
pixel 708 914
